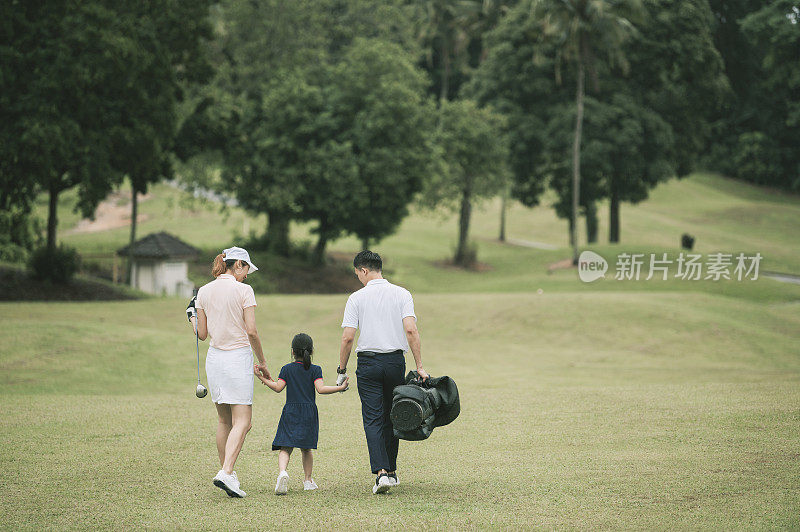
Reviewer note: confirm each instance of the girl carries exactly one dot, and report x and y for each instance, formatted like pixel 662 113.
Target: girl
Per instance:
pixel 299 424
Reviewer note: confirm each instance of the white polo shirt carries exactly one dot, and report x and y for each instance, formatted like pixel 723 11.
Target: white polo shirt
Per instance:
pixel 378 310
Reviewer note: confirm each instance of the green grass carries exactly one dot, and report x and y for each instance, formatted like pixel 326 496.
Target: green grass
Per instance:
pixel 633 405
pixel 579 410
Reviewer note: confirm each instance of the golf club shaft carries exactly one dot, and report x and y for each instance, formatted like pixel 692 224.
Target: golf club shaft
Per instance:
pixel 197 343
pixel 197 338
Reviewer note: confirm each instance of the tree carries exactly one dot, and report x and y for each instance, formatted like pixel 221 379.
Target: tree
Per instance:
pixel 475 155
pixel 169 36
pixel 673 82
pixel 343 145
pixel 676 73
pixel 444 39
pixel 260 44
pixel 584 29
pixel 775 29
pixel 626 153
pixel 67 61
pixel 516 80
pixel 378 97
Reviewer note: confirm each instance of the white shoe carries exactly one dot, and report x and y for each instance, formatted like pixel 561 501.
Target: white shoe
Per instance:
pixel 382 484
pixel 282 486
pixel 229 484
pixel 309 485
pixel 394 480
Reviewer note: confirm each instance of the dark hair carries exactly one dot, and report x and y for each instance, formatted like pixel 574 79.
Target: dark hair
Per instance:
pixel 369 260
pixel 303 348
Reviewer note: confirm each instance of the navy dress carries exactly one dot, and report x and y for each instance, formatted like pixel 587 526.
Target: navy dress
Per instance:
pixel 299 424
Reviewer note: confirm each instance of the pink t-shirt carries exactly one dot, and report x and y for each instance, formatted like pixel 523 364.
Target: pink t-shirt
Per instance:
pixel 224 300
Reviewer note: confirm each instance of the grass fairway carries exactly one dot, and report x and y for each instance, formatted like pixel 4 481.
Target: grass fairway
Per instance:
pixel 579 410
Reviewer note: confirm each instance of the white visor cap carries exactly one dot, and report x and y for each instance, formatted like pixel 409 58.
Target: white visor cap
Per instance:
pixel 235 253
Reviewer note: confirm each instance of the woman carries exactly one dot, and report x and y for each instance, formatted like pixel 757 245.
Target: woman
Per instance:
pixel 226 312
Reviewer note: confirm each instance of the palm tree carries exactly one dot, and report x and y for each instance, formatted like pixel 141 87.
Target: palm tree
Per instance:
pixel 582 30
pixel 442 32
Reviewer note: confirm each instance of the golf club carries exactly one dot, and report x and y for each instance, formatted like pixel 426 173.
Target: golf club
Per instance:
pixel 201 390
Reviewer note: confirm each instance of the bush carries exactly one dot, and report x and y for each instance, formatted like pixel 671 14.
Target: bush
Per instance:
pixel 19 233
pixel 10 252
pixel 59 265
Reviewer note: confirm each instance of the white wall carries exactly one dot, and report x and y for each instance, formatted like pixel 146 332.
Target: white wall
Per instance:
pixel 162 278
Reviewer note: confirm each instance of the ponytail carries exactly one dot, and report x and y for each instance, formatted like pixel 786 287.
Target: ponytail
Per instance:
pixel 218 267
pixel 221 265
pixel 306 358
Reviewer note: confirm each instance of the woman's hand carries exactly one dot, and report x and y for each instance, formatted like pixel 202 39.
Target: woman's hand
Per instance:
pixel 264 371
pixel 258 370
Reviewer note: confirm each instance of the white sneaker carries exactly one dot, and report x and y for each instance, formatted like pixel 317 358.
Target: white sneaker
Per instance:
pixel 394 480
pixel 229 484
pixel 282 486
pixel 382 484
pixel 309 485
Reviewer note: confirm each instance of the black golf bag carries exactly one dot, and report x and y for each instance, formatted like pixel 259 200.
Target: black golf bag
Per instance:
pixel 418 407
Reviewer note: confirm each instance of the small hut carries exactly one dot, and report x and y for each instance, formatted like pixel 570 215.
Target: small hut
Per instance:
pixel 159 265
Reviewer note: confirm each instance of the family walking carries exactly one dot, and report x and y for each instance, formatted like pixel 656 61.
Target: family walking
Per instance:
pixel 381 311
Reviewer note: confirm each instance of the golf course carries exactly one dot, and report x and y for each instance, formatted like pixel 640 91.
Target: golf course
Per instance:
pixel 614 404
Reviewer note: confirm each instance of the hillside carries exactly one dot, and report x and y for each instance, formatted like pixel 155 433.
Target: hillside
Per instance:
pixel 724 215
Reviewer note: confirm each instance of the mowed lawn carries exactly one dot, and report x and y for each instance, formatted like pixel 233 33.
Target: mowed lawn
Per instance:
pixel 579 410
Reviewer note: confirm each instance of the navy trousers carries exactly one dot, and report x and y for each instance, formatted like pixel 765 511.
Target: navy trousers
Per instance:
pixel 377 376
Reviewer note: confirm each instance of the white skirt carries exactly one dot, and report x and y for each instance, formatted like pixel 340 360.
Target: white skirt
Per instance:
pixel 230 375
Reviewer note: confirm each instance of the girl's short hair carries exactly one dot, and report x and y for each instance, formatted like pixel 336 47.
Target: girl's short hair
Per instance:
pixel 303 348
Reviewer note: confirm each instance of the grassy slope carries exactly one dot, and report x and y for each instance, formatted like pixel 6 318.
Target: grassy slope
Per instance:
pixel 724 215
pixel 660 410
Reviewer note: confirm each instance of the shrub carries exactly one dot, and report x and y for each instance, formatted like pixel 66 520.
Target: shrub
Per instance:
pixel 58 265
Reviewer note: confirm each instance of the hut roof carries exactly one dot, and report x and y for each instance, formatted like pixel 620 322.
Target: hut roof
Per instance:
pixel 160 246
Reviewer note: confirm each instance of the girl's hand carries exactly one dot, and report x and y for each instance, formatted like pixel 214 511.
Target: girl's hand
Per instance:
pixel 345 384
pixel 257 373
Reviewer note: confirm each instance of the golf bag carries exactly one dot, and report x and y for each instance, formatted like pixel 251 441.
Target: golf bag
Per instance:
pixel 419 406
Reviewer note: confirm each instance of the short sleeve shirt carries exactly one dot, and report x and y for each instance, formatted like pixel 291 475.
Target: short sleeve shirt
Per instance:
pixel 300 381
pixel 377 310
pixel 224 300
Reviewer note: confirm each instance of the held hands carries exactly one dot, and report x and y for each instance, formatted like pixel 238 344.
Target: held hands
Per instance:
pixel 260 371
pixel 342 379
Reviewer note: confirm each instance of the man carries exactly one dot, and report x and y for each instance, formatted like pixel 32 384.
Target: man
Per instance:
pixel 385 315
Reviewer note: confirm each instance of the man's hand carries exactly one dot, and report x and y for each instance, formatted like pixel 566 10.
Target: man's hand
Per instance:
pixel 423 374
pixel 341 379
pixel 345 384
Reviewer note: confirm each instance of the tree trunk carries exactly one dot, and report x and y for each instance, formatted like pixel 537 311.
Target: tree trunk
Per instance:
pixel 278 232
pixel 52 219
pixel 591 223
pixel 445 71
pixel 365 243
pixel 576 160
pixel 134 216
pixel 462 257
pixel 613 216
pixel 571 230
pixel 318 258
pixel 503 208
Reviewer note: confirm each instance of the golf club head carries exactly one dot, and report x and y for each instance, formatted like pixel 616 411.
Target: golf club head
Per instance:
pixel 201 391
